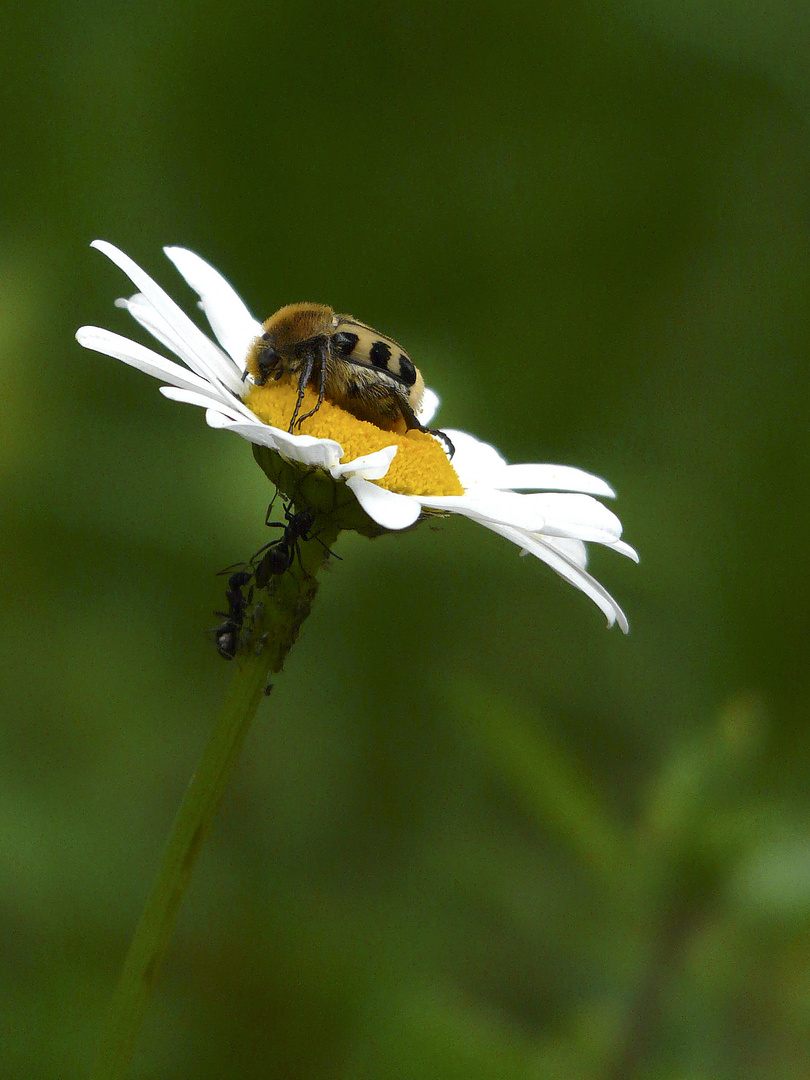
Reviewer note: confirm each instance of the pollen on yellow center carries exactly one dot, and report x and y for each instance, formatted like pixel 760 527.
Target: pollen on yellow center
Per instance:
pixel 420 466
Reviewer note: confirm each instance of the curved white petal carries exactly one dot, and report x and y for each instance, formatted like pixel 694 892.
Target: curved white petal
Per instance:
pixel 571 549
pixel 506 507
pixel 371 466
pixel 257 433
pixel 138 356
pixel 576 515
pixel 569 569
pixel 552 513
pixel 226 311
pixel 551 478
pixel 625 549
pixel 253 433
pixel 318 453
pixel 234 408
pixel 387 508
pixel 199 352
pixel 304 449
pixel 150 319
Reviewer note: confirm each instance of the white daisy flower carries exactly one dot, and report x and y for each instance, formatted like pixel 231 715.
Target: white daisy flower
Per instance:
pixel 546 510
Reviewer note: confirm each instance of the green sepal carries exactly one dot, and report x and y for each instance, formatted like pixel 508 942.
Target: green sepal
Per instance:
pixel 309 486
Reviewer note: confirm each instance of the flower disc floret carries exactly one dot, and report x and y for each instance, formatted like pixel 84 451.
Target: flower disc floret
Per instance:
pixel 419 467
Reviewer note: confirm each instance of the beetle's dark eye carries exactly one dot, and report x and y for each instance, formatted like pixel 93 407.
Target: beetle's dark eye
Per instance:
pixel 345 343
pixel 407 370
pixel 268 359
pixel 380 354
pixel 267 336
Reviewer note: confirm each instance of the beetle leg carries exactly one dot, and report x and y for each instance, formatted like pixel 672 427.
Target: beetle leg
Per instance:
pixel 306 373
pixel 409 416
pixel 321 353
pixel 442 437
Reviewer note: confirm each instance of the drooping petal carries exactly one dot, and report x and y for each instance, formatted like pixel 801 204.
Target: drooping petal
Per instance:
pixel 506 507
pixel 552 513
pixel 306 449
pixel 567 568
pixel 551 478
pixel 370 466
pixel 624 549
pixel 572 514
pixel 574 550
pixel 387 508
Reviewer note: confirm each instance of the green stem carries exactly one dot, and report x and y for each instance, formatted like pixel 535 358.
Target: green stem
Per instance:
pixel 277 622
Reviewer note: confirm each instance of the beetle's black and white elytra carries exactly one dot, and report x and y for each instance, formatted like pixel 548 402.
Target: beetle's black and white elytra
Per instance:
pixel 349 363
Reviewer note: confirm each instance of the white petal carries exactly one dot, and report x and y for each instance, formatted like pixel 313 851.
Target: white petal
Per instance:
pixel 571 549
pixel 576 515
pixel 233 324
pixel 142 312
pixel 552 513
pixel 140 308
pixel 506 507
pixel 551 478
pixel 257 433
pixel 430 406
pixel 138 356
pixel 199 352
pixel 387 508
pixel 625 549
pixel 233 409
pixel 474 461
pixel 320 453
pixel 567 568
pixel 372 466
pixel 260 434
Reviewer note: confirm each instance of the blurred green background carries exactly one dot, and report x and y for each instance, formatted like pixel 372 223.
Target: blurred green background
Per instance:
pixel 473 833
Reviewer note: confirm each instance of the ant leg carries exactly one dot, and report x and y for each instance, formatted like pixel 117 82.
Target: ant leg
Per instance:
pixel 276 524
pixel 328 550
pixel 289 511
pixel 270 543
pixel 270 508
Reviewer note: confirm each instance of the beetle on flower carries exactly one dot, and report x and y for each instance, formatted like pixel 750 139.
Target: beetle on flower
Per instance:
pixel 549 511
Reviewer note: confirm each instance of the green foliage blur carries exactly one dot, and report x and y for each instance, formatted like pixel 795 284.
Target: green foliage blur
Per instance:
pixel 473 833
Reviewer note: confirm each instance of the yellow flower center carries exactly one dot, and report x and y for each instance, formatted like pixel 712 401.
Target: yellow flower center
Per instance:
pixel 420 466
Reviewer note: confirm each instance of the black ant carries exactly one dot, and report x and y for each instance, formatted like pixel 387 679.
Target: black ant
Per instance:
pixel 279 555
pixel 270 561
pixel 226 636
